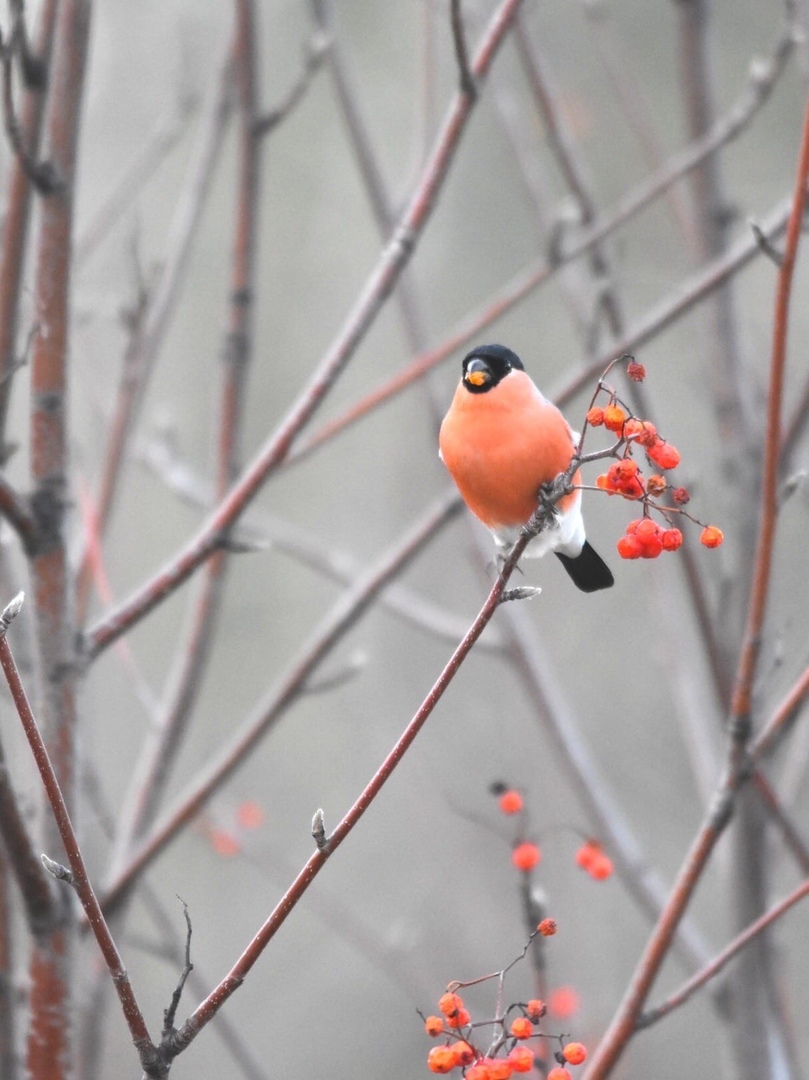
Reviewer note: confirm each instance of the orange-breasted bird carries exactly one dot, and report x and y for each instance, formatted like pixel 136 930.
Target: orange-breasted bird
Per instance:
pixel 502 440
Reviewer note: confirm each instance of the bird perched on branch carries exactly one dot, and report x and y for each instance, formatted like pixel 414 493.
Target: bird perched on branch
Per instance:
pixel 502 441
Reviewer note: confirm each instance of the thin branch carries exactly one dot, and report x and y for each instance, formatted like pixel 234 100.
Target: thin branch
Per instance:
pixel 167 133
pixel 18 514
pixel 466 78
pixel 315 54
pixel 16 224
pixel 759 592
pixel 789 833
pixel 781 719
pixel 624 1023
pixel 171 1012
pixel 710 971
pixel 41 908
pixel 382 279
pixel 79 877
pixel 43 176
pixel 234 979
pixel 9 1061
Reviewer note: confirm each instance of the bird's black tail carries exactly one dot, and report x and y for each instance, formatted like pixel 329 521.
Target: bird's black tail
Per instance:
pixel 588 570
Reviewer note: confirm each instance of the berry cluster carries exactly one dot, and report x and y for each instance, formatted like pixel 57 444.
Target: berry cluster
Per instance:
pixel 644 538
pixel 592 859
pixel 508 1053
pixel 526 855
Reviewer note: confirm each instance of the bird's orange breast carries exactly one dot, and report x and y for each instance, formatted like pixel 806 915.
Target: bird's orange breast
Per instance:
pixel 502 446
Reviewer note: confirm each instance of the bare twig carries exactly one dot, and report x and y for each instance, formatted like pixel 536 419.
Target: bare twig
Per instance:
pixel 41 907
pixel 234 979
pixel 624 1023
pixel 167 133
pixel 16 223
pixel 710 971
pixel 381 281
pixel 467 79
pixel 315 54
pixel 42 174
pixel 171 1012
pixel 80 880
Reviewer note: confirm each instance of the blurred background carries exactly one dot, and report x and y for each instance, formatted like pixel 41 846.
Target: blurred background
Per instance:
pixel 423 891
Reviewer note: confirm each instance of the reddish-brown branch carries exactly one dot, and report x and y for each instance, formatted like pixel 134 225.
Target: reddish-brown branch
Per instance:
pixel 379 285
pixel 236 976
pixel 625 1021
pixel 746 672
pixel 9 1062
pixel 778 815
pixel 779 722
pixel 78 871
pixel 18 514
pixel 733 948
pixel 22 860
pixel 49 1034
pixel 16 222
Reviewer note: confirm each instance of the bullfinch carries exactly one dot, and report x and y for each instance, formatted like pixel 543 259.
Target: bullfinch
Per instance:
pixel 502 441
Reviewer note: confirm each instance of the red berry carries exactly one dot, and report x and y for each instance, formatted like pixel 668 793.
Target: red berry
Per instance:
pixel 646 530
pixel 521 1059
pixel 575 1053
pixel 664 455
pixel 614 418
pixel 433 1025
pixel 526 856
pixel 459 1019
pixel 600 868
pixel 642 431
pixel 479 1071
pixel 547 927
pixel 441 1059
pixel 672 539
pixel 653 549
pixel 536 1009
pixel 595 416
pixel 681 496
pixel 711 536
pixel 563 1002
pixel 464 1053
pixel 511 802
pixel 521 1028
pixel 500 1069
pixel 559 1074
pixel 450 1003
pixel 629 547
pixel 635 371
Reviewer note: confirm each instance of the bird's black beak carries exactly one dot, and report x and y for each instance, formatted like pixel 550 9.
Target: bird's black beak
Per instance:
pixel 478 373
